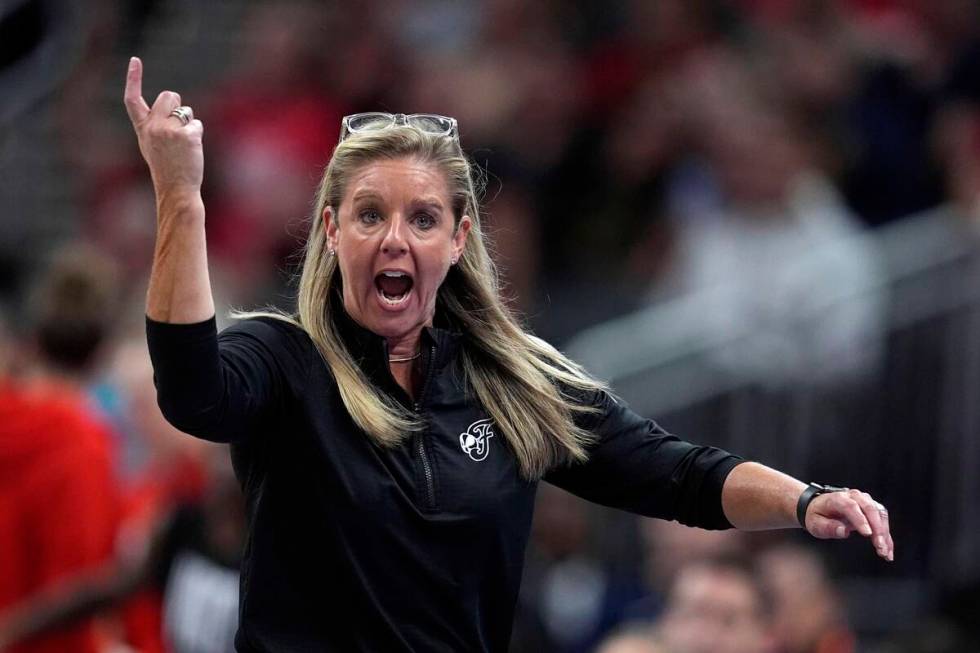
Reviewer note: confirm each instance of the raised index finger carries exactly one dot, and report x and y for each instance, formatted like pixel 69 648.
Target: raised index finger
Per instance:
pixel 136 106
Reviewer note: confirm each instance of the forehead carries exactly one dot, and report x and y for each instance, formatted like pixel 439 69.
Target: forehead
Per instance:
pixel 398 179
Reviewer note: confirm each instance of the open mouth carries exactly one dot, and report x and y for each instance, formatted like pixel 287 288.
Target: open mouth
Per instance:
pixel 393 287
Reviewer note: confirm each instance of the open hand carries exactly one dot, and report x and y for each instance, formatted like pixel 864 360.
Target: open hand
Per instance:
pixel 170 143
pixel 835 515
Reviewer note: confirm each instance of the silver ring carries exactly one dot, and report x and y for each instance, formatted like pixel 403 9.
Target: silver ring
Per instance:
pixel 183 114
pixel 881 508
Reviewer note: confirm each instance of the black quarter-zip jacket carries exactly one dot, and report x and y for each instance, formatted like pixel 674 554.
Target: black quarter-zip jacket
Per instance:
pixel 420 547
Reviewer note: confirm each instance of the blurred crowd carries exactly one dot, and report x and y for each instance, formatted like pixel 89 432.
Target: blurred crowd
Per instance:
pixel 633 152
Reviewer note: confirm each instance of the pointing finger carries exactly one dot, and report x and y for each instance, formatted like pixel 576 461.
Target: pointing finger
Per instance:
pixel 133 96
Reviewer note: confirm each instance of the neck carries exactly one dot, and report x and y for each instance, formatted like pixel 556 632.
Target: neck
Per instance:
pixel 405 346
pixel 404 357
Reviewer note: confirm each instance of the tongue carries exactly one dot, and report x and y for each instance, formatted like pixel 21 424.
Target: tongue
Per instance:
pixel 394 286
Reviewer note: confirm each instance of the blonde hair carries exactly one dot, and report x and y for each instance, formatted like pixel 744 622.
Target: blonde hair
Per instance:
pixel 530 390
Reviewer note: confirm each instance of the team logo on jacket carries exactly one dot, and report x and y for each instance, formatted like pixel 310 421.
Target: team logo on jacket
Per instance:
pixel 475 442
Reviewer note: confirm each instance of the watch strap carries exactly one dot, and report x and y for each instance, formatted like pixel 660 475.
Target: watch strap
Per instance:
pixel 812 491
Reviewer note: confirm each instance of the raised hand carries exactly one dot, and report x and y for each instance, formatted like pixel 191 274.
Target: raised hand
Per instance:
pixel 170 138
pixel 835 515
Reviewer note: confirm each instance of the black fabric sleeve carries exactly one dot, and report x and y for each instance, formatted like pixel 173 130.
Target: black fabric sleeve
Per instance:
pixel 637 466
pixel 222 388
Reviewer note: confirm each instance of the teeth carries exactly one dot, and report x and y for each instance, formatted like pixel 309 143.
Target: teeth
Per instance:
pixel 394 274
pixel 396 301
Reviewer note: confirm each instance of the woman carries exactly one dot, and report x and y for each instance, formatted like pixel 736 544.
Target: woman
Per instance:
pixel 389 437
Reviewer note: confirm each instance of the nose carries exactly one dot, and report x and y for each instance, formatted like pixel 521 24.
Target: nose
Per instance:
pixel 394 241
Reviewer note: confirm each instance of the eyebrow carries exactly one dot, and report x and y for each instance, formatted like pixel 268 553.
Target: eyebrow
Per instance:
pixel 431 202
pixel 365 195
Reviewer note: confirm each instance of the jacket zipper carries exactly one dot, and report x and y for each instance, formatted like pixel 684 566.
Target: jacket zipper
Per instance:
pixel 430 490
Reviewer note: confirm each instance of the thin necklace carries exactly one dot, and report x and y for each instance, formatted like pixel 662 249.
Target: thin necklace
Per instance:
pixel 406 359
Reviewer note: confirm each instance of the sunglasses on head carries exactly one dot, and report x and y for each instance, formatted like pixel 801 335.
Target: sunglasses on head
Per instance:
pixel 372 121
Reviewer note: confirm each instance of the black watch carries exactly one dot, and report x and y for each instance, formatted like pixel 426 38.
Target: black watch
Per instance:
pixel 812 491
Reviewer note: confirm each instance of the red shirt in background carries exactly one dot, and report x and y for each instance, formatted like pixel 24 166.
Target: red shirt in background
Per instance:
pixel 59 500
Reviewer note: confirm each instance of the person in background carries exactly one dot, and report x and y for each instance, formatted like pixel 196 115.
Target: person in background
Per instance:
pixel 764 242
pixel 718 606
pixel 565 590
pixel 808 610
pixel 189 556
pixel 669 547
pixel 59 495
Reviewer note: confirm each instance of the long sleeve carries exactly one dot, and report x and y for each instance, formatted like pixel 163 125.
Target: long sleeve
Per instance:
pixel 637 466
pixel 224 388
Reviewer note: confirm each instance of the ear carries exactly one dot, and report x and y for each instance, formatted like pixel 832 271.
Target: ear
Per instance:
pixel 459 238
pixel 330 225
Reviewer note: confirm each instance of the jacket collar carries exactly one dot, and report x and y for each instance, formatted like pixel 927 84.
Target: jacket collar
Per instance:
pixel 370 351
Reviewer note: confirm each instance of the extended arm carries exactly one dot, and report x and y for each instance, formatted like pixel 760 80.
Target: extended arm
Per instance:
pixel 637 466
pixel 755 497
pixel 180 289
pixel 212 392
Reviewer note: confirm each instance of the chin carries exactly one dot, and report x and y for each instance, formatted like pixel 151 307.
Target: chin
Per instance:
pixel 387 319
pixel 387 325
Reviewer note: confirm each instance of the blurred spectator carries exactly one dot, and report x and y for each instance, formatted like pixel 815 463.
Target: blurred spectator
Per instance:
pixel 70 314
pixel 764 240
pixel 60 500
pixel 272 125
pixel 669 547
pixel 565 590
pixel 159 463
pixel 122 218
pixel 197 563
pixel 162 470
pixel 190 554
pixel 808 610
pixel 718 606
pixel 650 38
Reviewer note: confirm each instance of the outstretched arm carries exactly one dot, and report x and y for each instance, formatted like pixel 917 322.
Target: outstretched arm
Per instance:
pixel 180 289
pixel 756 497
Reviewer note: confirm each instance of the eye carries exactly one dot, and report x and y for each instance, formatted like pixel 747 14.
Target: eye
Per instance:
pixel 425 221
pixel 369 216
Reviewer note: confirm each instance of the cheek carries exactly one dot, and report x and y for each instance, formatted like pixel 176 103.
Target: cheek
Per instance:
pixel 432 270
pixel 355 263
